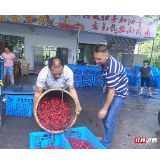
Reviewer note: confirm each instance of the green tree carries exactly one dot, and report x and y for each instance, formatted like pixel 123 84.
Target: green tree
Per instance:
pixel 146 47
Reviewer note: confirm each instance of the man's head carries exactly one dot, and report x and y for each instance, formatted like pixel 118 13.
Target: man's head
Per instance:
pixel 145 62
pixel 56 67
pixel 101 54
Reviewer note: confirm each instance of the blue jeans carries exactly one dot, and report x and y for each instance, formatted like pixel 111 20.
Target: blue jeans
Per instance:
pixel 10 71
pixel 109 120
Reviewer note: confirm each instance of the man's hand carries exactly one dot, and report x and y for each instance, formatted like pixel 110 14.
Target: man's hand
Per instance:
pixel 102 113
pixel 104 88
pixel 78 110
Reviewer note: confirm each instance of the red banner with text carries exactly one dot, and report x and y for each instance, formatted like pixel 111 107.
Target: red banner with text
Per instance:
pixel 127 25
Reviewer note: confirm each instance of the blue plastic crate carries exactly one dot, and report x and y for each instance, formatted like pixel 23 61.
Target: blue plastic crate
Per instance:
pixel 131 81
pixel 87 77
pixel 98 78
pixel 139 78
pixel 84 134
pixel 130 76
pixel 77 77
pixel 138 83
pixel 157 78
pixel 87 83
pixel 154 69
pixel 153 83
pixel 158 73
pixel 39 140
pixel 98 83
pixel 77 84
pixel 127 69
pixel 77 70
pixel 20 106
pixel 88 71
pixel 158 84
pixel 98 72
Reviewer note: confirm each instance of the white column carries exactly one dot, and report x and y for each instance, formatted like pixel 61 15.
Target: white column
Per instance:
pixel 136 48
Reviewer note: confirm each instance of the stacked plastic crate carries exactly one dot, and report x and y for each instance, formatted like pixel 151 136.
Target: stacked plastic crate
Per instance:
pixel 153 79
pixel 157 79
pixel 77 73
pixel 130 77
pixel 98 78
pixel 88 76
pixel 127 69
pixel 136 71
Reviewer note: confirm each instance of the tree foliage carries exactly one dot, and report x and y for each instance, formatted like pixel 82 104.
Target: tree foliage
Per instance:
pixel 146 47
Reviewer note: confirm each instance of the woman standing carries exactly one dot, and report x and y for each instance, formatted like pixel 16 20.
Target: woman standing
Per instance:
pixel 145 77
pixel 8 64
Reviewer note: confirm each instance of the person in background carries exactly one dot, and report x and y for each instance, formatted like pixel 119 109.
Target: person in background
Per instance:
pixel 115 90
pixel 145 77
pixel 9 59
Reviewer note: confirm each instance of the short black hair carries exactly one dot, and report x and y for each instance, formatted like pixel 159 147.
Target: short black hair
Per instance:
pixel 8 48
pixel 145 61
pixel 52 62
pixel 102 48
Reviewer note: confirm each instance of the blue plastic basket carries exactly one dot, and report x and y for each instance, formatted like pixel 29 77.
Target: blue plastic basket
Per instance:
pixel 98 83
pixel 77 70
pixel 98 72
pixel 158 84
pixel 153 83
pixel 77 77
pixel 138 83
pixel 87 83
pixel 20 106
pixel 130 76
pixel 154 69
pixel 158 73
pixel 127 69
pixel 84 134
pixel 87 77
pixel 39 140
pixel 131 81
pixel 88 71
pixel 98 78
pixel 78 84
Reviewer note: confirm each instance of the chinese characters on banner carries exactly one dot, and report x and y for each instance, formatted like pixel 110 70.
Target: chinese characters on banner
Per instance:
pixel 121 25
pixel 127 25
pixel 44 20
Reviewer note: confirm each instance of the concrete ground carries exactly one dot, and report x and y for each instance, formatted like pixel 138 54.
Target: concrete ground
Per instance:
pixel 138 118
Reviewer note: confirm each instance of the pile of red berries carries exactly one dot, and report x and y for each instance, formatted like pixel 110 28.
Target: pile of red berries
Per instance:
pixel 52 114
pixel 79 144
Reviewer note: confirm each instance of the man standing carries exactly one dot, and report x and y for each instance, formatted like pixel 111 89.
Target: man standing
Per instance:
pixel 114 91
pixel 145 77
pixel 56 75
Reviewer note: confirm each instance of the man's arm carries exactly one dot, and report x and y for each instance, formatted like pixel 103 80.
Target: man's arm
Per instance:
pixel 103 112
pixel 37 94
pixel 151 73
pixel 74 94
pixel 138 74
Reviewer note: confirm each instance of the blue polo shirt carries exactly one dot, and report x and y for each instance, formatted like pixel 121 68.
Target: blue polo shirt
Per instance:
pixel 115 76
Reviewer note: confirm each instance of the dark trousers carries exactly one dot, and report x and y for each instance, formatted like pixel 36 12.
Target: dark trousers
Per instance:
pixel 147 79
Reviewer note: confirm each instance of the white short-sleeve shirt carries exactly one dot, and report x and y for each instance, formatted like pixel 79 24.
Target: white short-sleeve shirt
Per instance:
pixel 46 81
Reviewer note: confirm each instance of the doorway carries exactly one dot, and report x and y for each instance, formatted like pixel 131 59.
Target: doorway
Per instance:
pixel 85 54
